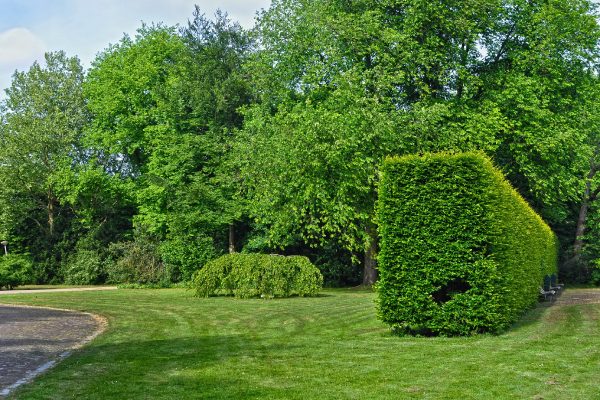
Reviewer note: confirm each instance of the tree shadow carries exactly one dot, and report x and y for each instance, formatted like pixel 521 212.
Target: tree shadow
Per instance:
pixel 169 368
pixel 530 317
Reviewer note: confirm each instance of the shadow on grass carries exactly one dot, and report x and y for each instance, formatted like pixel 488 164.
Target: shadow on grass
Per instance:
pixel 530 317
pixel 174 368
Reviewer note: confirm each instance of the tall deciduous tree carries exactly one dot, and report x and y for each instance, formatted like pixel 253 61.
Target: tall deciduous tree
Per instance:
pixel 343 84
pixel 166 102
pixel 43 118
pixel 585 212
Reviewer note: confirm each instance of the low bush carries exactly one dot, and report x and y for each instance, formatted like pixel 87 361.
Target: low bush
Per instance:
pixel 258 275
pixel 15 270
pixel 461 251
pixel 137 262
pixel 84 267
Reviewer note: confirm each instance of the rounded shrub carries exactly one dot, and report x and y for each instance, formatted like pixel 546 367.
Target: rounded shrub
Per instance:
pixel 258 275
pixel 15 270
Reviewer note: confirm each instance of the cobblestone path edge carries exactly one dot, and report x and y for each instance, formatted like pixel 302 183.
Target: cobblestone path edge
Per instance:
pixel 34 339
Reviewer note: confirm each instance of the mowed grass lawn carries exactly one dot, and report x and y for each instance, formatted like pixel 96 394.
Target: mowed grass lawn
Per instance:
pixel 165 344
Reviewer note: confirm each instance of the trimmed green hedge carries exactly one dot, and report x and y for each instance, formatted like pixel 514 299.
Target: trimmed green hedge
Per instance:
pixel 461 251
pixel 258 275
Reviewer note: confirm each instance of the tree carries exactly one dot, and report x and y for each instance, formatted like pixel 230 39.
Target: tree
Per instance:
pixel 219 49
pixel 42 120
pixel 354 82
pixel 312 173
pixel 585 246
pixel 166 102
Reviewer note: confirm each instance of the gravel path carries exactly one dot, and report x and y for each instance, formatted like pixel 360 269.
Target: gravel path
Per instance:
pixel 579 296
pixel 82 289
pixel 33 339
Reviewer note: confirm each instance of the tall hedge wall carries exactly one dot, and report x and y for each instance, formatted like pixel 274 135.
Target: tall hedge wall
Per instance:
pixel 461 251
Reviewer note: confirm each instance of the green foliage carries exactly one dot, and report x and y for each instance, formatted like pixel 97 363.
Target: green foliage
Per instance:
pixel 189 131
pixel 125 86
pixel 258 275
pixel 596 273
pixel 41 123
pixel 159 285
pixel 344 84
pixel 166 103
pixel 310 170
pixel 337 265
pixel 101 202
pixel 15 270
pixel 184 256
pixel 137 261
pixel 461 251
pixel 84 267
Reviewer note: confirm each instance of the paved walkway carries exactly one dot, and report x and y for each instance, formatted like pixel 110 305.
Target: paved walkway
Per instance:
pixel 33 339
pixel 82 289
pixel 579 296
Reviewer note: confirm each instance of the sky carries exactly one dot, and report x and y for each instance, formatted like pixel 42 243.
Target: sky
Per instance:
pixel 29 28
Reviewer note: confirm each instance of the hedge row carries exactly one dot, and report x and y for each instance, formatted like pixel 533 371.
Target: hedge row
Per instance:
pixel 258 275
pixel 461 251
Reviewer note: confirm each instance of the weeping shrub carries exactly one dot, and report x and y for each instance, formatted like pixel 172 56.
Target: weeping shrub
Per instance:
pixel 258 275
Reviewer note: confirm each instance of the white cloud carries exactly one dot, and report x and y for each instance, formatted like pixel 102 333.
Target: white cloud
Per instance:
pixel 84 28
pixel 18 46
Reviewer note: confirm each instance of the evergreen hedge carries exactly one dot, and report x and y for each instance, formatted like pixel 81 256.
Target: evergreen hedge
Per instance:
pixel 258 275
pixel 461 251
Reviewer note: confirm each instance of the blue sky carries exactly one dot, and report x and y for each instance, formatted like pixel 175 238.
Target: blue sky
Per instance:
pixel 28 28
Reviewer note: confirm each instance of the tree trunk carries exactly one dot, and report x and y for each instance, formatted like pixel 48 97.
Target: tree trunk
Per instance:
pixel 588 198
pixel 370 262
pixel 50 214
pixel 580 231
pixel 231 238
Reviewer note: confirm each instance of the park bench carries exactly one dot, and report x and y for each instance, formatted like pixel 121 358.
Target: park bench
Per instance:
pixel 551 288
pixel 547 293
pixel 554 285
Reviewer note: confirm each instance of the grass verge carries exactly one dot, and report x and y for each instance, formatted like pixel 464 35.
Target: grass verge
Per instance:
pixel 165 344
